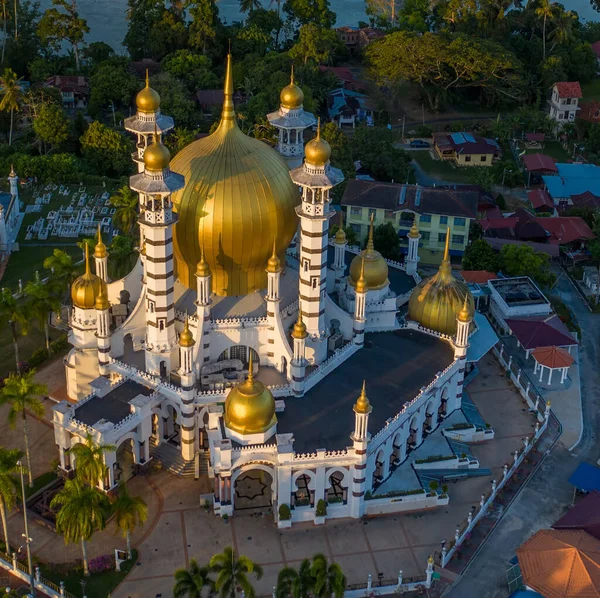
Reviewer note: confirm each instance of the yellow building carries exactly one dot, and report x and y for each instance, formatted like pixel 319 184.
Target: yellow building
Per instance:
pixel 435 208
pixel 466 149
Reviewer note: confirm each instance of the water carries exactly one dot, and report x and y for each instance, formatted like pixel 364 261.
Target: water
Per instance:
pixel 106 18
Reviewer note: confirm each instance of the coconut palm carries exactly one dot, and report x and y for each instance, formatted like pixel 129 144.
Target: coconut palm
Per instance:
pixel 190 582
pixel 4 34
pixel 545 11
pixel 21 393
pixel 329 579
pixel 13 313
pixel 562 33
pixel 126 203
pixel 121 252
pixel 9 465
pixel 232 573
pixel 295 584
pixel 82 510
pixel 12 96
pixel 41 302
pixel 248 5
pixel 89 460
pixel 130 511
pixel 63 269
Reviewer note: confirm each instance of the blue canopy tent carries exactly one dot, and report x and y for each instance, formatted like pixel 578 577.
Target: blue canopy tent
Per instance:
pixel 585 478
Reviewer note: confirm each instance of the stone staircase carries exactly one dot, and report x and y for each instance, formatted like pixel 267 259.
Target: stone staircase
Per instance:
pixel 171 460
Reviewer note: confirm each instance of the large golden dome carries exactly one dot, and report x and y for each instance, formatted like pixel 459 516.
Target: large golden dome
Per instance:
pixel 238 194
pixel 291 95
pixel 437 301
pixel 147 100
pixel 375 267
pixel 250 406
pixel 87 287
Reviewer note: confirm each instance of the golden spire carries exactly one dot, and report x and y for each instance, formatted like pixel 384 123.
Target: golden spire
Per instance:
pixel 319 128
pixel 186 339
pixel 156 156
pixel 292 76
pixel 361 283
pixel 12 171
pixel 274 265
pixel 445 271
pixel 101 299
pixel 147 100
pixel 447 248
pixel 250 378
pixel 87 259
pixel 370 245
pixel 202 268
pixel 86 288
pixel 362 404
pixel 299 330
pixel 414 231
pixel 147 80
pixel 228 112
pixel 100 249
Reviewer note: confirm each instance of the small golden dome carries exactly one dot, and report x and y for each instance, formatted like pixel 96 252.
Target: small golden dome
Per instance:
pixel 375 267
pixel 317 151
pixel 186 339
pixel 291 95
pixel 156 155
pixel 101 302
pixel 250 406
pixel 299 330
pixel 361 283
pixel 274 265
pixel 362 404
pixel 465 314
pixel 340 236
pixel 100 249
pixel 437 301
pixel 147 100
pixel 87 287
pixel 413 233
pixel 202 269
pixel 12 173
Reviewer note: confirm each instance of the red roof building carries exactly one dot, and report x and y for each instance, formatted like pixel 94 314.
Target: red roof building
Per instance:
pixel 567 229
pixel 586 200
pixel 540 200
pixel 590 111
pixel 478 276
pixel 585 515
pixel 540 331
pixel 539 163
pixel 551 359
pixel 568 89
pixel 74 89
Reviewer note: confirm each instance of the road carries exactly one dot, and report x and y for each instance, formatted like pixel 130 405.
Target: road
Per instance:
pixel 547 494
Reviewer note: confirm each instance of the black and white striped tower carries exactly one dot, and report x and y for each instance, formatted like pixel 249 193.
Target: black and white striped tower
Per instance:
pixel 188 384
pixel 102 307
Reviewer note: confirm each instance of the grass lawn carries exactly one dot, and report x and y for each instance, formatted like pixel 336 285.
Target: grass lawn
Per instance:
pixel 440 168
pixel 40 482
pixel 554 149
pixel 98 585
pixel 591 90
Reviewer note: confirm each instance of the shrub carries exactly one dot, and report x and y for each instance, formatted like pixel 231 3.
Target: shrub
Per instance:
pixel 284 512
pixel 433 486
pixel 106 562
pixel 321 508
pixel 445 488
pixel 39 356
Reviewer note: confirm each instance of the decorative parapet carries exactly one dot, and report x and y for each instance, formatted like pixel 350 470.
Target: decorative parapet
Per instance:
pixel 228 323
pixel 290 309
pixel 181 316
pixel 416 326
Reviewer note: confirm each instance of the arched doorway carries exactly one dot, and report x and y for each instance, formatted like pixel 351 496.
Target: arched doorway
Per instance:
pixel 123 468
pixel 171 426
pixel 337 491
pixel 283 364
pixel 443 408
pixel 253 490
pixel 379 469
pixel 428 423
pixel 413 433
pixel 396 456
pixel 303 496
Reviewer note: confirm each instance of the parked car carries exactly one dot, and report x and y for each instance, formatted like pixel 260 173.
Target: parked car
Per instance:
pixel 419 143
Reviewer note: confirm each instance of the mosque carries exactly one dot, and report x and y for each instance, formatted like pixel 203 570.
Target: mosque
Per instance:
pixel 247 345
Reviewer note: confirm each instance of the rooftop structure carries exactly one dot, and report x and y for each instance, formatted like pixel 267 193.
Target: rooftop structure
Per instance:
pixel 515 297
pixel 466 149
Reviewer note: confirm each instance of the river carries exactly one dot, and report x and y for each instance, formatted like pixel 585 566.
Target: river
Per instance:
pixel 106 18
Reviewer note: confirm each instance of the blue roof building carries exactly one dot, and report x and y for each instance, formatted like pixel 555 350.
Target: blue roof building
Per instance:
pixel 573 179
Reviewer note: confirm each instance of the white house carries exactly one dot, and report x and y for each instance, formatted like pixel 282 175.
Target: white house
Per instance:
pixel 564 100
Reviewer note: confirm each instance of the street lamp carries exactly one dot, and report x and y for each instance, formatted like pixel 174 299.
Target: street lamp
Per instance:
pixel 28 540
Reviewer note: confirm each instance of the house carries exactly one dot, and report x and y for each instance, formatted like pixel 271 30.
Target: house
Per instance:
pixel 590 111
pixel 466 149
pixel 74 89
pixel 536 166
pixel 572 180
pixel 347 107
pixel 355 37
pixel 434 208
pixel 540 201
pixel 563 102
pixel 345 76
pixel 586 200
pixel 534 140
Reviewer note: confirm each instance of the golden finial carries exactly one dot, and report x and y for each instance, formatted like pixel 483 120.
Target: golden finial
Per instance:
pixel 12 171
pixel 299 330
pixel 362 404
pixel 186 339
pixel 292 76
pixel 87 259
pixel 101 299
pixel 147 79
pixel 250 377
pixel 370 245
pixel 202 269
pixel 319 128
pixel 414 231
pixel 430 560
pixel 100 249
pixel 274 265
pixel 228 112
pixel 465 313
pixel 361 283
pixel 447 248
pixel 156 139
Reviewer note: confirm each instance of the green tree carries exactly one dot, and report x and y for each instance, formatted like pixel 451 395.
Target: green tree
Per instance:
pixel 316 44
pixel 295 584
pixel 480 256
pixel 9 466
pixel 96 53
pixel 51 126
pixel 111 83
pixel 330 580
pixel 121 253
pixel 316 12
pixel 387 241
pixel 232 572
pixel 544 11
pixel 205 19
pixel 179 138
pixel 484 176
pixel 126 203
pixel 63 270
pixel 522 260
pixel 21 393
pixel 89 460
pixel 141 16
pixel 41 302
pixel 194 69
pixel 82 511
pixel 12 96
pixel 175 99
pixel 107 151
pixel 58 26
pixel 168 34
pixel 248 5
pixel 563 32
pixel 13 314
pixel 383 11
pixel 129 511
pixel 190 582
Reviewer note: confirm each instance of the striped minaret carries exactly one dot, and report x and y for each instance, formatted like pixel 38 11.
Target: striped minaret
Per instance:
pixel 103 330
pixel 272 298
pixel 188 382
pixel 360 306
pixel 360 440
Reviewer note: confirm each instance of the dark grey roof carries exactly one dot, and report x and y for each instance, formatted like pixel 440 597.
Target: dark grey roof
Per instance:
pixel 422 200
pixel 114 406
pixel 395 365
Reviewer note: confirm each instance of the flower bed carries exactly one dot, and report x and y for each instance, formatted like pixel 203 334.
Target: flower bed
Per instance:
pixel 435 458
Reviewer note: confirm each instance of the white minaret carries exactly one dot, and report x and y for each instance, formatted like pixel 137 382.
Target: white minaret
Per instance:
pixel 13 181
pixel 3 231
pixel 273 278
pixel 291 121
pixel 339 262
pixel 316 177
pixel 360 441
pixel 103 331
pixel 412 257
pixel 463 324
pixel 203 301
pixel 298 363
pixel 360 307
pixel 101 257
pixel 188 384
pixel 155 186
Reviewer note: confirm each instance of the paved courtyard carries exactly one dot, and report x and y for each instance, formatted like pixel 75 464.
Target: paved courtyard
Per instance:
pixel 179 529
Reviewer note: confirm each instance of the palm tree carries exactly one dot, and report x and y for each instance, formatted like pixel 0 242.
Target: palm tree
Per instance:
pixel 190 582
pixel 82 511
pixel 121 251
pixel 9 465
pixel 130 511
pixel 295 584
pixel 232 573
pixel 545 10
pixel 563 30
pixel 126 202
pixel 329 579
pixel 248 5
pixel 12 96
pixel 4 34
pixel 13 313
pixel 62 267
pixel 21 392
pixel 41 302
pixel 89 460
